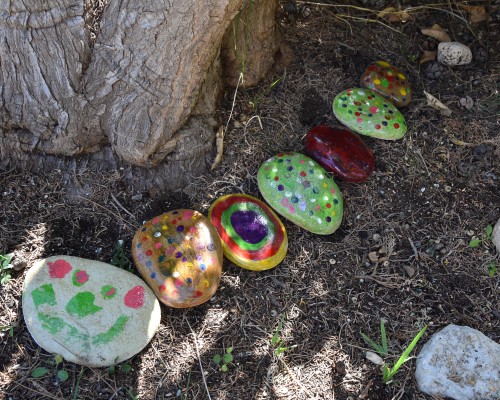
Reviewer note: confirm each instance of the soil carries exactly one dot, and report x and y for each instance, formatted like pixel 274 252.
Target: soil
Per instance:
pixel 401 255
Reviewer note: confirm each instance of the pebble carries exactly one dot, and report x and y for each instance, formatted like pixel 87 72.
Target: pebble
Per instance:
pixel 461 363
pixel 453 53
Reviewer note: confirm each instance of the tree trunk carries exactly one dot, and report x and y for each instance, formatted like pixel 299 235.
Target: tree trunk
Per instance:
pixel 143 94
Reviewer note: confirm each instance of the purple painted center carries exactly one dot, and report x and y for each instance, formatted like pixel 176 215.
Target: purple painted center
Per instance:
pixel 248 227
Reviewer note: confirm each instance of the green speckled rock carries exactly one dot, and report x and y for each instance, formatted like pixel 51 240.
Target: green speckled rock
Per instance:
pixel 300 190
pixel 367 113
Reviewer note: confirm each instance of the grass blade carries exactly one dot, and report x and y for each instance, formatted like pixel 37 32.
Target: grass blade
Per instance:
pixel 383 337
pixel 404 357
pixel 375 346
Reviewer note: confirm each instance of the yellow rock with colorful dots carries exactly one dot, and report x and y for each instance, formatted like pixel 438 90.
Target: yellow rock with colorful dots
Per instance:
pixel 389 82
pixel 179 254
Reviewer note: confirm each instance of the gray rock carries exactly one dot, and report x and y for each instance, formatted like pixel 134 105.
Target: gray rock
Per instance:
pixel 495 236
pixel 453 53
pixel 460 363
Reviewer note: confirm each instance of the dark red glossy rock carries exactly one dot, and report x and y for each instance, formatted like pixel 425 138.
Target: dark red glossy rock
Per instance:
pixel 341 151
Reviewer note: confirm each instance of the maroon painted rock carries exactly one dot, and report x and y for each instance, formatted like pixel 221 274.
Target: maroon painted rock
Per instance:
pixel 341 151
pixel 387 81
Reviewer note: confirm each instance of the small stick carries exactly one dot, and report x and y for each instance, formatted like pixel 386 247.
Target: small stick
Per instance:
pixel 119 205
pixel 199 360
pixel 219 144
pixel 415 252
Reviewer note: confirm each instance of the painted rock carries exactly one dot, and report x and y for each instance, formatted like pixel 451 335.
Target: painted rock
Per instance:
pixel 179 255
pixel 253 237
pixel 90 312
pixel 453 53
pixel 367 113
pixel 299 189
pixel 386 80
pixel 341 151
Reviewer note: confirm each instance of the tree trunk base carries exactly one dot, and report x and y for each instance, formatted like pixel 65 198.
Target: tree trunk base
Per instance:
pixel 192 157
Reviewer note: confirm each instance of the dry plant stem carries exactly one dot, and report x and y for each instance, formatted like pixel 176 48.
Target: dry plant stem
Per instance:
pixel 132 227
pixel 199 359
pixel 119 205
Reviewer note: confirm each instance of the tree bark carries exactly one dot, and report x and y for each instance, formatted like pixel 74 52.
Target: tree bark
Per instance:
pixel 143 94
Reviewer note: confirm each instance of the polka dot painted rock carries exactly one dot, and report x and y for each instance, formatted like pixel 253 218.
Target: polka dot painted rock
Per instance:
pixel 367 113
pixel 179 255
pixel 89 312
pixel 299 189
pixel 341 151
pixel 253 237
pixel 386 80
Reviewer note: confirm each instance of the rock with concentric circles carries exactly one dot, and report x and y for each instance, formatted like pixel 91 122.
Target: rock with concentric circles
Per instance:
pixel 89 312
pixel 300 190
pixel 179 255
pixel 253 237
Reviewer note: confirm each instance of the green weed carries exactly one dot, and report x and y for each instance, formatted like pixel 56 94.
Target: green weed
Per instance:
pixel 486 236
pixel 224 359
pixel 389 371
pixel 5 268
pixel 276 341
pixel 61 374
pixel 120 259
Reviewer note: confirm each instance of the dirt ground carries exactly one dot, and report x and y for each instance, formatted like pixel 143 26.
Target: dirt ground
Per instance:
pixel 402 253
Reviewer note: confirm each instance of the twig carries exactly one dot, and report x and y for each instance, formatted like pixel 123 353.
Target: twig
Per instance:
pixel 199 360
pixel 119 205
pixel 415 251
pixel 133 228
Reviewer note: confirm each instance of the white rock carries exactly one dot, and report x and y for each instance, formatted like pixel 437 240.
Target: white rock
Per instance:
pixel 495 236
pixel 89 312
pixel 453 53
pixel 460 363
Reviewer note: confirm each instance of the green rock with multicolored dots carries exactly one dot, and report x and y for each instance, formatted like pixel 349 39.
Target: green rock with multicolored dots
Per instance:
pixel 299 189
pixel 388 81
pixel 369 114
pixel 89 312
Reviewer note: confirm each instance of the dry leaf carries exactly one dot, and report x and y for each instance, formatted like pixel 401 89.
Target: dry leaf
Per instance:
pixel 437 33
pixel 435 103
pixel 372 256
pixel 391 14
pixel 219 142
pixel 427 56
pixel 476 13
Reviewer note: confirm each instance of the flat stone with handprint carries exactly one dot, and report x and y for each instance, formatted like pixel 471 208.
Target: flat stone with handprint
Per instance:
pixel 89 312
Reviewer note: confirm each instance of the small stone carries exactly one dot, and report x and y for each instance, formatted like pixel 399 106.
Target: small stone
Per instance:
pixel 367 113
pixel 481 55
pixel 453 53
pixel 89 312
pixel 461 363
pixel 466 102
pixel 340 151
pixel 253 237
pixel 410 271
pixel 433 70
pixel 387 81
pixel 495 236
pixel 299 189
pixel 183 265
